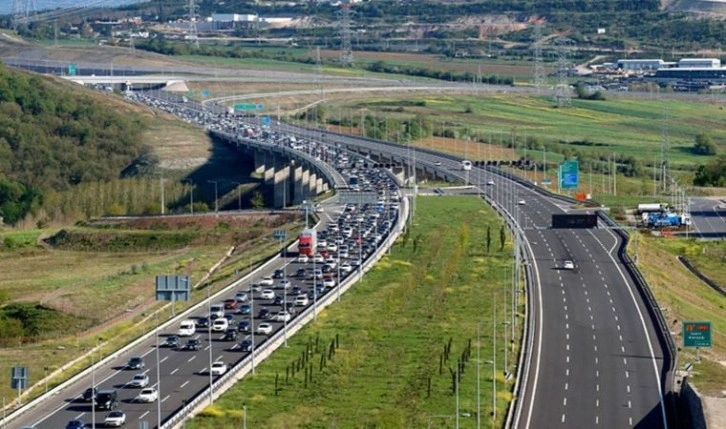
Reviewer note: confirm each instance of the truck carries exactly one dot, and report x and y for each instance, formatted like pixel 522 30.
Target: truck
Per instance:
pixel 650 207
pixel 308 241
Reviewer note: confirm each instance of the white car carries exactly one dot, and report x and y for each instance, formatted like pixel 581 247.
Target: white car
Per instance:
pixel 318 259
pixel 301 300
pixel 490 183
pixel 285 284
pixel 220 325
pixel 322 243
pixel 267 294
pixel 437 163
pixel 568 265
pixel 303 259
pixel 332 247
pixel 332 262
pixel 219 368
pixel 329 282
pixel 521 202
pixel 283 316
pixel 115 418
pixel 149 394
pixel 139 380
pixel 346 267
pixel 266 281
pixel 264 328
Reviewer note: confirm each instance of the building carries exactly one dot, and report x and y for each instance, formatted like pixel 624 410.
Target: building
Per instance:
pixel 639 65
pixel 701 63
pixel 234 17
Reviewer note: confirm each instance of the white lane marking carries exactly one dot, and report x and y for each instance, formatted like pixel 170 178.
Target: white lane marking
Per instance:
pixel 564 402
pixel 174 372
pixel 143 415
pixel 191 358
pixel 165 398
pixel 627 374
pixel 597 373
pixel 630 404
pixel 78 417
pixel 597 420
pixel 622 349
pixel 597 387
pixel 567 372
pixel 630 421
pixel 563 418
pixel 165 358
pixel 184 384
pixel 597 403
pixel 567 386
pixel 628 388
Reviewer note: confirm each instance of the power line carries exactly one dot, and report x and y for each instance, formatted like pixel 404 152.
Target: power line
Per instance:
pixel 346 48
pixel 563 93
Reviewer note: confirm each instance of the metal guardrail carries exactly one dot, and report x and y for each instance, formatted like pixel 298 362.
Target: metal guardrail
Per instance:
pixel 226 381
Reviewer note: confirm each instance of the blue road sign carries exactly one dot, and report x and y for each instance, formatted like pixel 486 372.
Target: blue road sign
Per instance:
pixel 173 288
pixel 569 174
pixel 260 106
pixel 205 93
pixel 265 121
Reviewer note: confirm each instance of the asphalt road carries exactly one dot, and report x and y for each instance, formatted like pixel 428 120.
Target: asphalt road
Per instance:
pixel 708 217
pixel 596 360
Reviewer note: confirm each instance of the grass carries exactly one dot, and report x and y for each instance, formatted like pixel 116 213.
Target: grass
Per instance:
pixel 391 331
pixel 685 298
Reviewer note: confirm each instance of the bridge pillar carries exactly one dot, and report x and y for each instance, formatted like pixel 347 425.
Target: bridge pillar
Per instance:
pixel 298 196
pixel 268 173
pixel 400 173
pixel 281 187
pixel 312 186
pixel 319 188
pixel 260 161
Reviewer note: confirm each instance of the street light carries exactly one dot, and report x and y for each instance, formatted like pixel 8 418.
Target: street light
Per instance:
pixel 216 200
pixel 158 373
pixel 209 330
pixel 191 195
pixel 239 195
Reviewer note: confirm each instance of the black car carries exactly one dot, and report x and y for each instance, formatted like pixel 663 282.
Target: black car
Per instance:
pixel 245 346
pixel 243 326
pixel 171 341
pixel 202 322
pixel 300 272
pixel 135 363
pixel 278 274
pixel 230 319
pixel 264 314
pixel 75 424
pixel 244 309
pixel 193 345
pixel 296 290
pixel 89 394
pixel 230 335
pixel 278 300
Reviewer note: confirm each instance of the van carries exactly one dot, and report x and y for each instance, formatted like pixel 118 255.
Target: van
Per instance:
pixel 187 328
pixel 106 399
pixel 216 311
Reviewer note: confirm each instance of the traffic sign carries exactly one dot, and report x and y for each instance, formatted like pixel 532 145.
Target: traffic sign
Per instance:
pixel 205 93
pixel 19 377
pixel 265 121
pixel 546 182
pixel 71 69
pixel 569 174
pixel 280 235
pixel 245 106
pixel 173 288
pixel 696 334
pixel 259 106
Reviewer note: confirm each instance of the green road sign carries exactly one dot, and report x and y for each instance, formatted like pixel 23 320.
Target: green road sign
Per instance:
pixel 569 174
pixel 697 334
pixel 71 69
pixel 245 106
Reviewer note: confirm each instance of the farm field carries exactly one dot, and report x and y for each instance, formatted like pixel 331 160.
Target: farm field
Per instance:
pixel 436 290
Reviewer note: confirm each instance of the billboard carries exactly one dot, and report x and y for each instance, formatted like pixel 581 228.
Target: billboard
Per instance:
pixel 173 288
pixel 569 174
pixel 574 221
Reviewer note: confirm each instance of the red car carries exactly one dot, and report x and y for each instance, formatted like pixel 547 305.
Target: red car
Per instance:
pixel 230 304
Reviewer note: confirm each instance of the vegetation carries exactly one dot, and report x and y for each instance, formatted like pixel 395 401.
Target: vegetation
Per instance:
pixel 712 174
pixel 373 362
pixel 53 138
pixel 705 145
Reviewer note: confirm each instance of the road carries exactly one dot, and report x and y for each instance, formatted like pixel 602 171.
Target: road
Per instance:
pixel 597 359
pixel 708 217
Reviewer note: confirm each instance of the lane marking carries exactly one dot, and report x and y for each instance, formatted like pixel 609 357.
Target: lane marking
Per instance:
pixel 143 415
pixel 184 384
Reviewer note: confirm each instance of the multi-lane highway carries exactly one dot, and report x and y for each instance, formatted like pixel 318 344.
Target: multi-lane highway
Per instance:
pixel 709 217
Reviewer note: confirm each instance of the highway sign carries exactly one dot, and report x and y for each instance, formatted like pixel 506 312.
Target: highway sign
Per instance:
pixel 280 235
pixel 19 377
pixel 205 93
pixel 190 94
pixel 546 182
pixel 569 174
pixel 574 221
pixel 696 334
pixel 245 106
pixel 173 288
pixel 72 70
pixel 265 121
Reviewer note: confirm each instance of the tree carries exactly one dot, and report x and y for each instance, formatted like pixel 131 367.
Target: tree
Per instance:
pixel 704 145
pixel 489 237
pixel 257 201
pixel 712 174
pixel 502 238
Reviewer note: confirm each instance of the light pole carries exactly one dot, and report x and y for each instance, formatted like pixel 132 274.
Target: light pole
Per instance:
pixel 191 195
pixel 93 387
pixel 239 195
pixel 478 376
pixel 209 330
pixel 158 373
pixel 216 199
pixel 252 320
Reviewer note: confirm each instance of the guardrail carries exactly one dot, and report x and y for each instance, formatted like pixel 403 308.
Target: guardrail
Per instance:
pixel 245 366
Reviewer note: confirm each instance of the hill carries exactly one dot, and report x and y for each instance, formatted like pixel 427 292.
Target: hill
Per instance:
pixel 54 137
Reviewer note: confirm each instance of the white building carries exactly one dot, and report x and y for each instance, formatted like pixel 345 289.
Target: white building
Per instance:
pixel 709 63
pixel 234 17
pixel 645 64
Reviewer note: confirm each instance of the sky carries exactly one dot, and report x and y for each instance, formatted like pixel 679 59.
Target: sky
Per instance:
pixel 6 6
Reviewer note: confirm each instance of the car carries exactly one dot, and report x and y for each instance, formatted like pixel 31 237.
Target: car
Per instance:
pixel 254 287
pixel 230 304
pixel 106 399
pixel 241 296
pixel 244 325
pixel 193 345
pixel 329 282
pixel 285 284
pixel 303 259
pixel 264 313
pixel 437 163
pixel 115 418
pixel 148 394
pixel 267 294
pixel 264 328
pixel 331 262
pixel 296 290
pixel 220 325
pixel 568 265
pixel 172 341
pixel 279 299
pixel 245 345
pixel 216 311
pixel 300 272
pixel 187 328
pixel 139 380
pixel 230 319
pixel 490 183
pixel 202 322
pixel 219 368
pixel 267 281
pixel 322 243
pixel 301 300
pixel 319 209
pixel 318 273
pixel 332 247
pixel 521 202
pixel 244 309
pixel 89 394
pixel 278 274
pixel 318 259
pixel 135 363
pixel 282 316
pixel 346 267
pixel 76 424
pixel 230 335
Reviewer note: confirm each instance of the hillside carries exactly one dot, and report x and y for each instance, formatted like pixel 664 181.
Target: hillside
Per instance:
pixel 54 136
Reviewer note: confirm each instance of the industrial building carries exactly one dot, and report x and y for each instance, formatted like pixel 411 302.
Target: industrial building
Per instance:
pixel 638 65
pixel 701 63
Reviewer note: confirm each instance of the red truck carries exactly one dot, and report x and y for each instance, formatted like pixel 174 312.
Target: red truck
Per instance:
pixel 308 242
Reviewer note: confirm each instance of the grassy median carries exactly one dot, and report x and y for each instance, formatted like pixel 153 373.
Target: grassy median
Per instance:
pixel 384 356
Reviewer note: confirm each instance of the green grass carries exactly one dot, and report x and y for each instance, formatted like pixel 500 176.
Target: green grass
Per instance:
pixel 392 329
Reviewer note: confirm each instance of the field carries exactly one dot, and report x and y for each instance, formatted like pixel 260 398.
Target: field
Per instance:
pixel 110 294
pixel 437 289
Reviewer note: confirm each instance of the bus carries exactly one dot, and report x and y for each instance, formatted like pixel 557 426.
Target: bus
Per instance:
pixel 466 165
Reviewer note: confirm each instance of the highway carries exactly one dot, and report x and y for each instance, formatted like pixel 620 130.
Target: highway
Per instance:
pixel 708 217
pixel 596 358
